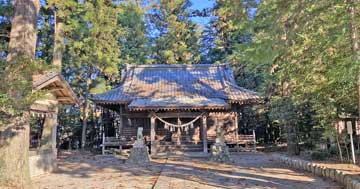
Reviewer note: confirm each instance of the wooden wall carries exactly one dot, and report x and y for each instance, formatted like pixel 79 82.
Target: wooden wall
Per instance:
pixel 224 119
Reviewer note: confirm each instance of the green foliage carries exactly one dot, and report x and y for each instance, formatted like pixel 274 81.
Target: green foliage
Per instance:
pixel 134 43
pixel 16 93
pixel 6 11
pixel 320 155
pixel 228 28
pixel 70 125
pixel 300 57
pixel 177 41
pixel 298 54
pixel 44 47
pixel 92 34
pixel 333 151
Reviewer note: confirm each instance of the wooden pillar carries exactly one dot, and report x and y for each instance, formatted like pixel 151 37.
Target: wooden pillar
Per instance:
pixel 236 130
pixel 48 151
pixel 102 131
pixel 103 143
pixel 152 136
pixel 121 124
pixel 54 134
pixel 48 141
pixel 254 136
pixel 204 133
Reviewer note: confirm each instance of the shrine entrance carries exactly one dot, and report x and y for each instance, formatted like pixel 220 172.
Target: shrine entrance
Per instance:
pixel 179 134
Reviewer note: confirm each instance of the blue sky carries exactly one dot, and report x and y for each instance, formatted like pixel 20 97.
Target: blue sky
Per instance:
pixel 199 5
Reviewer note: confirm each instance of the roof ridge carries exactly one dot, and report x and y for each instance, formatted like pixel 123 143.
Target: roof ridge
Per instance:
pixel 175 65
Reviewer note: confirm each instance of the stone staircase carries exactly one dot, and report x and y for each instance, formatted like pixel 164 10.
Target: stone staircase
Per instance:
pixel 180 148
pixel 185 146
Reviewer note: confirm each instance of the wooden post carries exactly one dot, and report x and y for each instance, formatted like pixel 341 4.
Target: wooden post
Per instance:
pixel 152 136
pixel 121 121
pixel 48 141
pixel 204 133
pixel 350 132
pixel 103 142
pixel 102 131
pixel 237 131
pixel 254 136
pixel 54 134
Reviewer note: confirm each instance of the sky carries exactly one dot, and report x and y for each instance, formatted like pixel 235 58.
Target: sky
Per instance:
pixel 199 5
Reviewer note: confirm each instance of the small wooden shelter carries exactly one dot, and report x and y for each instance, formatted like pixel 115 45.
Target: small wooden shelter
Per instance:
pixel 43 158
pixel 176 104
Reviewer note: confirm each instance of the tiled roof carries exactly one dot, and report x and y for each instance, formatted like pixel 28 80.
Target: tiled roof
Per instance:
pixel 177 86
pixel 54 80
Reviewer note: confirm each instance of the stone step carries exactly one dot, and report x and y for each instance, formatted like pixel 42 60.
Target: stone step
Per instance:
pixel 182 143
pixel 184 148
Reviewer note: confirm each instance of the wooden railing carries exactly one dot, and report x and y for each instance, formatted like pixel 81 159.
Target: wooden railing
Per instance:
pixel 115 142
pixel 241 139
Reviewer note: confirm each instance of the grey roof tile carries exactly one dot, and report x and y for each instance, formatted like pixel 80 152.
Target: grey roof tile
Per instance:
pixel 165 86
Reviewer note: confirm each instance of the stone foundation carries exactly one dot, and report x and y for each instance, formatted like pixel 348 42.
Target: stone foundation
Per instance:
pixel 219 153
pixel 350 181
pixel 41 162
pixel 139 156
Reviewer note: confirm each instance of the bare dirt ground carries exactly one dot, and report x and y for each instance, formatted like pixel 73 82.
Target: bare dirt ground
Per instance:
pixel 334 163
pixel 249 170
pixel 348 168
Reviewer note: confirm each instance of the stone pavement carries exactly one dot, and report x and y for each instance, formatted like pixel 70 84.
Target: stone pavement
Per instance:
pixel 248 171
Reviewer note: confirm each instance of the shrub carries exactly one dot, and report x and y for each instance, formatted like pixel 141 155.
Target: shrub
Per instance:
pixel 333 151
pixel 320 155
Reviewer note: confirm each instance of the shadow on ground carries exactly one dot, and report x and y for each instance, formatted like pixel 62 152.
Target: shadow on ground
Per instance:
pixel 249 170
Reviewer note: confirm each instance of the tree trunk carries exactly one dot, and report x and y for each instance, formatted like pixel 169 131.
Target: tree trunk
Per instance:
pixel 339 147
pixel 292 147
pixel 58 42
pixel 359 97
pixel 85 108
pixel 23 29
pixel 14 135
pixel 14 153
pixel 292 144
pixel 355 48
pixel 355 42
pixel 347 150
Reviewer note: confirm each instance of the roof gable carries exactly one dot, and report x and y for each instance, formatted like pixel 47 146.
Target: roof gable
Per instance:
pixel 56 84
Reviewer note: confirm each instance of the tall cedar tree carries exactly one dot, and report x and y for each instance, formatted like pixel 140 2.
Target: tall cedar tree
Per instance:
pixel 134 43
pixel 176 37
pixel 16 92
pixel 92 33
pixel 303 50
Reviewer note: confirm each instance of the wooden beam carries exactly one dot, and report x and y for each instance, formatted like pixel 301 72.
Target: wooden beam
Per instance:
pixel 40 107
pixel 163 115
pixel 46 83
pixel 64 99
pixel 54 89
pixel 136 115
pixel 177 114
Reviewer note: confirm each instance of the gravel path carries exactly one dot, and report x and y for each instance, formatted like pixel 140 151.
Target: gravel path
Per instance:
pixel 249 170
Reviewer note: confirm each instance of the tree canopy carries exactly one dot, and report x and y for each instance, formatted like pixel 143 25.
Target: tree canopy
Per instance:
pixel 302 56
